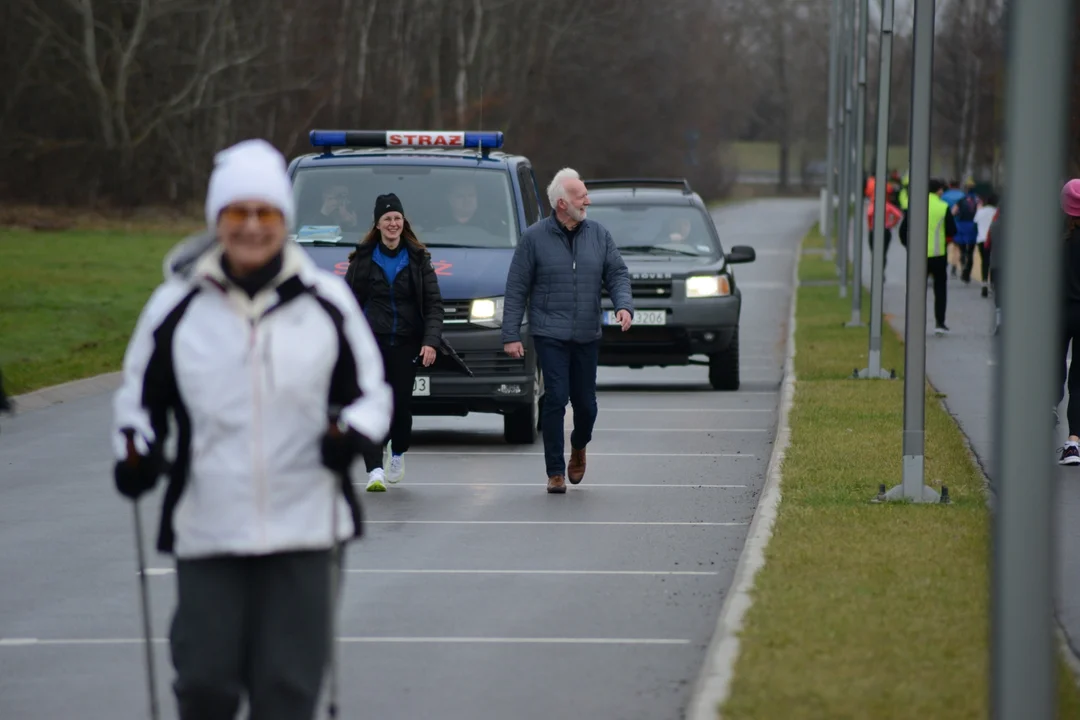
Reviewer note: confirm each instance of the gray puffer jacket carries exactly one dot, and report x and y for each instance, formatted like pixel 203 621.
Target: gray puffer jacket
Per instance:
pixel 562 286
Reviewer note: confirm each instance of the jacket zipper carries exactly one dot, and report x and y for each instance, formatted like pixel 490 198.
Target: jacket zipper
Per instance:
pixel 393 315
pixel 258 466
pixel 573 258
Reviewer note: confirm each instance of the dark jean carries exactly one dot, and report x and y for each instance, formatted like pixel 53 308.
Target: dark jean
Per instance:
pixel 399 368
pixel 569 370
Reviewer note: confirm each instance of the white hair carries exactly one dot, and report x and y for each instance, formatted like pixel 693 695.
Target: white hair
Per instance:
pixel 557 189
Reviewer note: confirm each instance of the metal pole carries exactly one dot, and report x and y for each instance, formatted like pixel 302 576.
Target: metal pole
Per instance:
pixel 1023 658
pixel 834 70
pixel 912 486
pixel 877 253
pixel 858 216
pixel 845 149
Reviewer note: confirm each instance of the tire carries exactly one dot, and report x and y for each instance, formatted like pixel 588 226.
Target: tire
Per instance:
pixel 724 366
pixel 522 426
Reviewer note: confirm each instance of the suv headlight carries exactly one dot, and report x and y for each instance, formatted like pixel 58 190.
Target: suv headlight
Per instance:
pixel 707 286
pixel 487 312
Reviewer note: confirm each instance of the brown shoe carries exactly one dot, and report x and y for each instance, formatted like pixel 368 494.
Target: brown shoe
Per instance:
pixel 556 484
pixel 575 471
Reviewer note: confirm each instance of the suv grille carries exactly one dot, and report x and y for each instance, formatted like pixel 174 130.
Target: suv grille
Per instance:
pixel 647 289
pixel 482 363
pixel 651 288
pixel 456 312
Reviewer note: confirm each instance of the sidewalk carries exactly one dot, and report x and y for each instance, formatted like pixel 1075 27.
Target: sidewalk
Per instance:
pixel 961 365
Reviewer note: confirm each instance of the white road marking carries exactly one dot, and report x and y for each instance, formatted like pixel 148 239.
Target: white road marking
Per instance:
pixel 593 485
pixel 32 642
pixel 368 571
pixel 553 522
pixel 703 430
pixel 692 410
pixel 669 391
pixel 518 640
pixel 591 453
pixel 376 571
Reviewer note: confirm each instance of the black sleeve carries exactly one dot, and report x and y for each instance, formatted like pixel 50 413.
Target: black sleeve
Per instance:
pixel 950 225
pixel 350 280
pixel 433 305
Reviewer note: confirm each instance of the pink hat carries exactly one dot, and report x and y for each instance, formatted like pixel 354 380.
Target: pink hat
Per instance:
pixel 1070 198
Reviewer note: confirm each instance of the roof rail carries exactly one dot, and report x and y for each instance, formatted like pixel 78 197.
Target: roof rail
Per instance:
pixel 634 182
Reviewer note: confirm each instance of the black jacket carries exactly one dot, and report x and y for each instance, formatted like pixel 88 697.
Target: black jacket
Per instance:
pixel 422 280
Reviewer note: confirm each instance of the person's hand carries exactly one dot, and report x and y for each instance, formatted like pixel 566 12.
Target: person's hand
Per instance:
pixel 427 355
pixel 624 319
pixel 339 448
pixel 514 349
pixel 137 474
pixel 329 205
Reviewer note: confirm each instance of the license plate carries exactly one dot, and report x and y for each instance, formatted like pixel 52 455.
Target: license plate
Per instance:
pixel 421 386
pixel 641 317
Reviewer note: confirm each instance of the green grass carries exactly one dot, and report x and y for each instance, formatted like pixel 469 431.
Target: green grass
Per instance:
pixel 69 300
pixel 863 610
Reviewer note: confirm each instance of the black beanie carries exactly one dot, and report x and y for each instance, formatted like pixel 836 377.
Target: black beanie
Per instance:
pixel 385 204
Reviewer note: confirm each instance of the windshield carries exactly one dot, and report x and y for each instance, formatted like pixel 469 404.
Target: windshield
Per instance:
pixel 446 206
pixel 657 229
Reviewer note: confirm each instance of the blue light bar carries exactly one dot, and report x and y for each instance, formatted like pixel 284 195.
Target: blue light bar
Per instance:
pixel 406 138
pixel 484 139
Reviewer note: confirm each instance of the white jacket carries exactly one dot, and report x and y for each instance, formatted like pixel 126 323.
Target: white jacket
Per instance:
pixel 250 382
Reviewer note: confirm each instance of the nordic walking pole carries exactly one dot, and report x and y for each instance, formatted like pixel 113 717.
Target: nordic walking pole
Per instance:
pixel 144 593
pixel 335 555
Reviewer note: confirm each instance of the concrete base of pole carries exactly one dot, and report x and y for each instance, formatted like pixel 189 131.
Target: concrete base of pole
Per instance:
pixel 866 374
pixel 911 487
pixel 856 321
pixel 896 494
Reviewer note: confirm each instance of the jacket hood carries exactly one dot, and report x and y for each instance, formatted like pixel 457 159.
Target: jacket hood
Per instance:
pixel 181 259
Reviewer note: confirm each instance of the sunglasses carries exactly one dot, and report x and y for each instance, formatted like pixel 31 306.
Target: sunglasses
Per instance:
pixel 264 215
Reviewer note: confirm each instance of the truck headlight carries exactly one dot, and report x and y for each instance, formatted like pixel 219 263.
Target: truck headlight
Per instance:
pixel 487 312
pixel 706 286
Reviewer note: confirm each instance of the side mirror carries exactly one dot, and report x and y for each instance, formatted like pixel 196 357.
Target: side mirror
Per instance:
pixel 741 254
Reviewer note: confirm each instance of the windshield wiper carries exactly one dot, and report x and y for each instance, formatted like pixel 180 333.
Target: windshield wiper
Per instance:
pixel 656 249
pixel 323 243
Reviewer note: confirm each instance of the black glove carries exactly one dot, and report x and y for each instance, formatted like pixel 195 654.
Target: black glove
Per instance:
pixel 138 478
pixel 340 445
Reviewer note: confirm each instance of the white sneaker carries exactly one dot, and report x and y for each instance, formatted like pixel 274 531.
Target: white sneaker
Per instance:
pixel 396 470
pixel 1070 454
pixel 376 481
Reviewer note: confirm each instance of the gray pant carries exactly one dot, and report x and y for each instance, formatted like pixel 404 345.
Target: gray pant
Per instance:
pixel 254 626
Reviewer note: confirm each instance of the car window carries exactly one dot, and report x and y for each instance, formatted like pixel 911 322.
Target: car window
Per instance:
pixel 528 193
pixel 658 229
pixel 446 206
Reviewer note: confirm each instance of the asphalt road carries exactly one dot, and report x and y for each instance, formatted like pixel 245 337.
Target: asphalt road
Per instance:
pixel 475 594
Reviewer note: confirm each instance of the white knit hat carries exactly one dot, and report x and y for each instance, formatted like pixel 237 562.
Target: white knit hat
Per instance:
pixel 249 170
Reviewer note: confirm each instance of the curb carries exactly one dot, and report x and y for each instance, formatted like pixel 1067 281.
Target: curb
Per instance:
pixel 66 392
pixel 714 682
